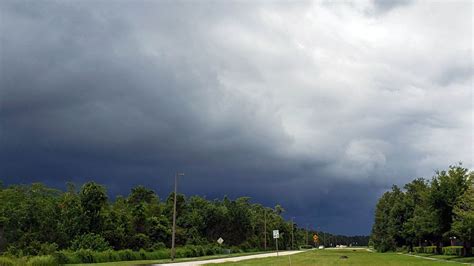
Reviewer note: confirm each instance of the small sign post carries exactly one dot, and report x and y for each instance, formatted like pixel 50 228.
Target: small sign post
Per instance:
pixel 220 241
pixel 276 235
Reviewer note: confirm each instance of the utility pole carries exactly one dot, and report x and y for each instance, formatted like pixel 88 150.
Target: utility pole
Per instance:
pixel 292 233
pixel 265 229
pixel 173 251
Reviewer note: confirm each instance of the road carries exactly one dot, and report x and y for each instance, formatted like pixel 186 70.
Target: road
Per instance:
pixel 231 259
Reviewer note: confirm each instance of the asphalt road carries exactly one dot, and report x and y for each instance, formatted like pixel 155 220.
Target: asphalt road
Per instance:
pixel 231 259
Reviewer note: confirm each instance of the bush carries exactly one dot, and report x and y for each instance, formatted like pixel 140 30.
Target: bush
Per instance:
pixel 418 249
pixel 158 254
pixel 128 254
pixel 430 249
pixel 184 252
pixel 90 241
pixel 4 261
pixel 140 241
pixel 158 246
pixel 62 257
pixel 306 247
pixel 47 248
pixel 85 255
pixel 235 249
pixel 212 250
pixel 453 250
pixel 403 249
pixel 106 256
pixel 90 256
pixel 43 261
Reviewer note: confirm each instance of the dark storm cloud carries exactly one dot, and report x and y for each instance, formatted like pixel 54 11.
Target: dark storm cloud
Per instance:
pixel 287 103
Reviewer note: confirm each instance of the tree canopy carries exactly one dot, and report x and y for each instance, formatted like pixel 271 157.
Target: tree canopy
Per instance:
pixel 427 212
pixel 39 220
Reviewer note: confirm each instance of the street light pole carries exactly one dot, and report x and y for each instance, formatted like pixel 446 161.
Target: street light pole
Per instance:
pixel 173 251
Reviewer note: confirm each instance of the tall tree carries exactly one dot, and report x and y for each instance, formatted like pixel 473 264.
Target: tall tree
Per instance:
pixel 93 198
pixel 463 224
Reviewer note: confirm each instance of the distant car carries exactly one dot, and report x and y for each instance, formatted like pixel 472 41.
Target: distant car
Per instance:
pixel 321 247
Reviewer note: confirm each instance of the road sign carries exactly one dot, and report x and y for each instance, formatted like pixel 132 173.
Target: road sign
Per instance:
pixel 220 240
pixel 276 234
pixel 315 238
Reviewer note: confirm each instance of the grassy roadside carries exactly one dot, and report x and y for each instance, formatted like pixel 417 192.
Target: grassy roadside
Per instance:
pixel 446 257
pixel 342 257
pixel 144 262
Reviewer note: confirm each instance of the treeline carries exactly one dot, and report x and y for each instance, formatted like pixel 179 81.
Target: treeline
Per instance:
pixel 38 220
pixel 436 213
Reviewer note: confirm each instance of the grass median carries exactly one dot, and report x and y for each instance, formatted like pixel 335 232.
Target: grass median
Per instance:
pixel 353 257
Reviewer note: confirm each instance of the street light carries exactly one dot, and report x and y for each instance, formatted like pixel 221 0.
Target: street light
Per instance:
pixel 173 251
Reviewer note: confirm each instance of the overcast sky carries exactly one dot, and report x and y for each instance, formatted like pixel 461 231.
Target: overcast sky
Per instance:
pixel 318 106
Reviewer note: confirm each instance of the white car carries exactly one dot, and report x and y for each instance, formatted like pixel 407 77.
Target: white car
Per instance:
pixel 321 247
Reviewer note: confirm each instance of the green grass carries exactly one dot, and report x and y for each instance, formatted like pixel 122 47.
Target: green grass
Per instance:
pixel 448 257
pixel 144 262
pixel 333 257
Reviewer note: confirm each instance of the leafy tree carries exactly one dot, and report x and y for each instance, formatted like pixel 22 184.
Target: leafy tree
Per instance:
pixel 93 199
pixel 426 212
pixel 40 220
pixel 463 224
pixel 446 189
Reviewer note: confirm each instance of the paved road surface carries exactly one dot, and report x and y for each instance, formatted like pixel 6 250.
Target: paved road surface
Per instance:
pixel 231 259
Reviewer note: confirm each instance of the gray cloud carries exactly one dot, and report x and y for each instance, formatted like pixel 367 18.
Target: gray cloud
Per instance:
pixel 316 106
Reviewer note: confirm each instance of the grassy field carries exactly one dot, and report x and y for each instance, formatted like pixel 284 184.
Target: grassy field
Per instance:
pixel 354 257
pixel 144 262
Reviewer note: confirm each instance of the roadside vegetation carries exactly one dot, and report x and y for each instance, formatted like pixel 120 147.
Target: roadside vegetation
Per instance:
pixel 39 224
pixel 428 217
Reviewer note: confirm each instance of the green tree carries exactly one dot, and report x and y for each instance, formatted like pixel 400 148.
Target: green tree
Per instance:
pixel 463 224
pixel 93 199
pixel 446 189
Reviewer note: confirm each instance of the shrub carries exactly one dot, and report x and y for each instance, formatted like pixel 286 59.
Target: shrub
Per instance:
pixel 43 261
pixel 4 261
pixel 430 249
pixel 105 256
pixel 211 250
pixel 159 254
pixel 47 248
pixel 128 254
pixel 61 257
pixel 184 252
pixel 418 249
pixel 140 241
pixel 90 241
pixel 453 250
pixel 403 249
pixel 306 247
pixel 158 246
pixel 85 255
